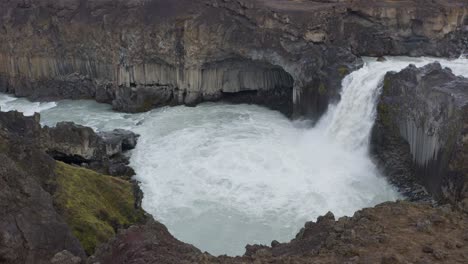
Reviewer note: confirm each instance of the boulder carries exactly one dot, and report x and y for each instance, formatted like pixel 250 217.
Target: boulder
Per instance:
pixel 65 257
pixel 148 243
pixel 102 151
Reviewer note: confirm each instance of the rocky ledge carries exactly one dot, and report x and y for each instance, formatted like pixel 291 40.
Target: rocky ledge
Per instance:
pixel 398 232
pixel 140 54
pixel 420 133
pixel 49 207
pixel 79 145
pixel 103 151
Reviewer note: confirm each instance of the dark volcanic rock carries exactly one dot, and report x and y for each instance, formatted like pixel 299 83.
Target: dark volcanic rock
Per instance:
pixel 30 229
pixel 388 233
pixel 21 143
pixel 143 54
pixel 46 205
pixel 420 133
pixel 123 139
pixel 103 151
pixel 149 243
pixel 71 86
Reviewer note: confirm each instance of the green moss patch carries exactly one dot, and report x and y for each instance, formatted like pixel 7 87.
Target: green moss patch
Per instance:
pixel 94 205
pixel 322 89
pixel 343 71
pixel 384 115
pixel 146 106
pixel 386 86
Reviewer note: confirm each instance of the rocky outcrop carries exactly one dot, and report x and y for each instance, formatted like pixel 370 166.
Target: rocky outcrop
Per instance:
pixel 420 132
pixel 142 54
pixel 65 257
pixel 148 243
pixel 31 231
pixel 103 151
pixel 51 212
pixel 389 233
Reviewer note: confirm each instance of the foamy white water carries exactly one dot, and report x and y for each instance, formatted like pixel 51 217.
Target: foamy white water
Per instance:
pixel 223 176
pixel 9 103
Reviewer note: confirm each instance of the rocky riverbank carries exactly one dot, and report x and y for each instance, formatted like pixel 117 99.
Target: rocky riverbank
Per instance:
pixel 398 232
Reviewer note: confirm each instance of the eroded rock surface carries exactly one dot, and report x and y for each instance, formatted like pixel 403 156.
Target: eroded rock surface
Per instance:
pixel 103 151
pixel 51 212
pixel 31 231
pixel 420 133
pixel 142 54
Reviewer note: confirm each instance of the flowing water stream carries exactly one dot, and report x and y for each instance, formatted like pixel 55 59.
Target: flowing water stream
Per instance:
pixel 222 176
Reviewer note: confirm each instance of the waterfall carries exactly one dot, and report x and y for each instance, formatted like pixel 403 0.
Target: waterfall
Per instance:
pixel 351 120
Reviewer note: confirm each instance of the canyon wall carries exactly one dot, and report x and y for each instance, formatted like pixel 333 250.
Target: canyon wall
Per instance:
pixel 31 230
pixel 289 55
pixel 421 127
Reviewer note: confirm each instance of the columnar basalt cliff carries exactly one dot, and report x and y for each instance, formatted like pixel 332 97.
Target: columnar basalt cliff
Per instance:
pixel 420 131
pixel 142 54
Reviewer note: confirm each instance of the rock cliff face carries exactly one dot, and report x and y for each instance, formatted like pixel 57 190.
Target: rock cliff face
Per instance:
pixel 289 55
pixel 421 129
pixel 31 231
pixel 103 151
pixel 45 206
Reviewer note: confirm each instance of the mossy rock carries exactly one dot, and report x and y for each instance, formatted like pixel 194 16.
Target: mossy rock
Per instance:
pixel 386 86
pixel 322 89
pixel 384 114
pixel 94 205
pixel 343 71
pixel 4 147
pixel 147 105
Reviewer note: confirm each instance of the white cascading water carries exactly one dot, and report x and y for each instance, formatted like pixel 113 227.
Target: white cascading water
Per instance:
pixel 351 121
pixel 223 176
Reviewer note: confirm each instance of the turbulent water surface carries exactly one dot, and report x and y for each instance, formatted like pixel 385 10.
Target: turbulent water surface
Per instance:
pixel 223 176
